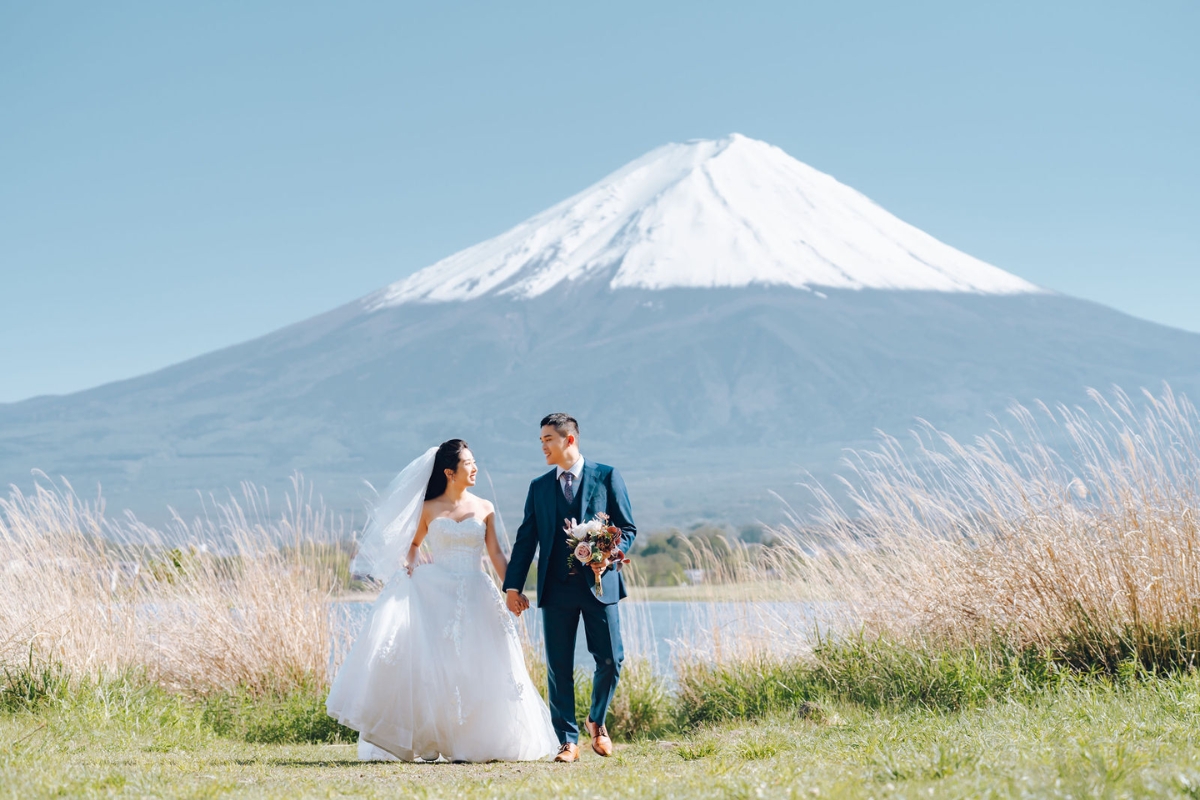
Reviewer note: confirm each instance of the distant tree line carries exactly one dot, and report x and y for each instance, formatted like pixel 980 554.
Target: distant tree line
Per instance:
pixel 669 557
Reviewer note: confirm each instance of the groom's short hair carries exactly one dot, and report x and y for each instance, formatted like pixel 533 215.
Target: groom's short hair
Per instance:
pixel 565 424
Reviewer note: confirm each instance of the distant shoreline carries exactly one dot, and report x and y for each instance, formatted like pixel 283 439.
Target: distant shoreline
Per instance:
pixel 646 594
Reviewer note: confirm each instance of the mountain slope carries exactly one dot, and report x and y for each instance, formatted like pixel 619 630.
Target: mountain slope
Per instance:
pixel 710 386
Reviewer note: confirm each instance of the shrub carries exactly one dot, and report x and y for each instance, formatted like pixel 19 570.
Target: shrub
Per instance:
pixel 295 715
pixel 880 672
pixel 642 707
pixel 741 689
pixel 29 687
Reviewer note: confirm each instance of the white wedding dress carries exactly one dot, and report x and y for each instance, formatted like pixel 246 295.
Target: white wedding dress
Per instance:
pixel 438 669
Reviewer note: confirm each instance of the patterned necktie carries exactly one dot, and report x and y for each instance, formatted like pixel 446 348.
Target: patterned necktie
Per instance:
pixel 568 489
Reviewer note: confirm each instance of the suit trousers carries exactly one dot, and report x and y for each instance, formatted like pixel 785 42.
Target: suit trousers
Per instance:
pixel 569 601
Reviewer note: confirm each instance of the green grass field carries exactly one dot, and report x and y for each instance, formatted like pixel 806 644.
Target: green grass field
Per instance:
pixel 1092 738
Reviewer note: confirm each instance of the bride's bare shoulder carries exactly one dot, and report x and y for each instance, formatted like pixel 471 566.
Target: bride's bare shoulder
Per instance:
pixel 484 505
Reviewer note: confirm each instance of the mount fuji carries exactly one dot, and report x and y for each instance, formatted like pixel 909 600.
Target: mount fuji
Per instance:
pixel 722 318
pixel 707 215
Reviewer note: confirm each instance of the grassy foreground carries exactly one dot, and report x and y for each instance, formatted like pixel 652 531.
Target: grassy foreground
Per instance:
pixel 1081 739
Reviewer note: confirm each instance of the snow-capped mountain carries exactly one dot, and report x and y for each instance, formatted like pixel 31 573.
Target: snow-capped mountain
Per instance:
pixel 707 214
pixel 733 318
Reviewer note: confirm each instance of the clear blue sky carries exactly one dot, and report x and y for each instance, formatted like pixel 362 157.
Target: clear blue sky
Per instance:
pixel 177 177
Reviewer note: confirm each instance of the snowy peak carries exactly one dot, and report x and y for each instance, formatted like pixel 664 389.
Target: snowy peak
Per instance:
pixel 705 214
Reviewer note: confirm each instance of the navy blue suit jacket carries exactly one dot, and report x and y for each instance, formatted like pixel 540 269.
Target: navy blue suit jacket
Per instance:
pixel 602 490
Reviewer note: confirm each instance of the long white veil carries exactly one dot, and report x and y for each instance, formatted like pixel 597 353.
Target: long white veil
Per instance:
pixel 393 523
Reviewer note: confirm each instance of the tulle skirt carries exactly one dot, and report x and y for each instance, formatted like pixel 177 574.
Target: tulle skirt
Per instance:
pixel 438 671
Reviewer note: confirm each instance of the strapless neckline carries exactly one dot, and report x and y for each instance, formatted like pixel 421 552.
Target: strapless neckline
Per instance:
pixel 456 521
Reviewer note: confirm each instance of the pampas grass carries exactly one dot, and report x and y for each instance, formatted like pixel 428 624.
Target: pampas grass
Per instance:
pixel 1088 552
pixel 237 598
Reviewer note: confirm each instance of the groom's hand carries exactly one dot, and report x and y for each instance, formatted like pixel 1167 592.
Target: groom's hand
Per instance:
pixel 516 601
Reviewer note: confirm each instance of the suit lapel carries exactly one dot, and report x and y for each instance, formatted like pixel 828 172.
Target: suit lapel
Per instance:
pixel 587 487
pixel 550 505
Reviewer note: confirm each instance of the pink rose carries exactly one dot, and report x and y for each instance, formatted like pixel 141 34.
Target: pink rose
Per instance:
pixel 583 551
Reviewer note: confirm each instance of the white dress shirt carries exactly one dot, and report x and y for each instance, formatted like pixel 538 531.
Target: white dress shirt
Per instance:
pixel 576 471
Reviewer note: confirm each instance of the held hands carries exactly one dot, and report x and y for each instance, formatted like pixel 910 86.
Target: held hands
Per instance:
pixel 516 601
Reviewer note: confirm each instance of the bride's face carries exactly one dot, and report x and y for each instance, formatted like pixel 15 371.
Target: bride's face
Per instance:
pixel 465 475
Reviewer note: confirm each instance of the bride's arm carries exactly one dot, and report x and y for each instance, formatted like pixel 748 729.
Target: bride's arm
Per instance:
pixel 410 559
pixel 499 562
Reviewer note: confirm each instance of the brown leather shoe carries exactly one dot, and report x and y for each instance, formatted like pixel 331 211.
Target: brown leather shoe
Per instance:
pixel 568 753
pixel 600 741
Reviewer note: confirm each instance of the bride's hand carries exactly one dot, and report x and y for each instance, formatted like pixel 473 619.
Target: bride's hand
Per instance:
pixel 516 601
pixel 420 559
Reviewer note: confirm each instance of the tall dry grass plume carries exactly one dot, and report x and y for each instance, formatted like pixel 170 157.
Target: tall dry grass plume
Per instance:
pixel 236 598
pixel 750 603
pixel 1088 552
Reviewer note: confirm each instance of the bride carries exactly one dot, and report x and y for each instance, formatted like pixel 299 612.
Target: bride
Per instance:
pixel 437 669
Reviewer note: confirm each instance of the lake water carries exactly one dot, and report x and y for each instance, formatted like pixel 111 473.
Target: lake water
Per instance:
pixel 656 630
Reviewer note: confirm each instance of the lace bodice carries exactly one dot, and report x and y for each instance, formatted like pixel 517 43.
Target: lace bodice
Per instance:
pixel 457 546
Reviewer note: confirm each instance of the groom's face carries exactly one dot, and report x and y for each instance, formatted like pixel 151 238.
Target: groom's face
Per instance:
pixel 554 445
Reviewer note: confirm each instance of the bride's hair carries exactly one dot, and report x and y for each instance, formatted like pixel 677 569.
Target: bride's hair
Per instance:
pixel 449 454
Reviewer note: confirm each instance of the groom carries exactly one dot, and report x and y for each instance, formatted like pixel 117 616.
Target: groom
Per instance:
pixel 574 489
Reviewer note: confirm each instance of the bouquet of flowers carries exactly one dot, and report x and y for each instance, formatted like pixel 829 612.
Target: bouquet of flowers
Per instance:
pixel 595 544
